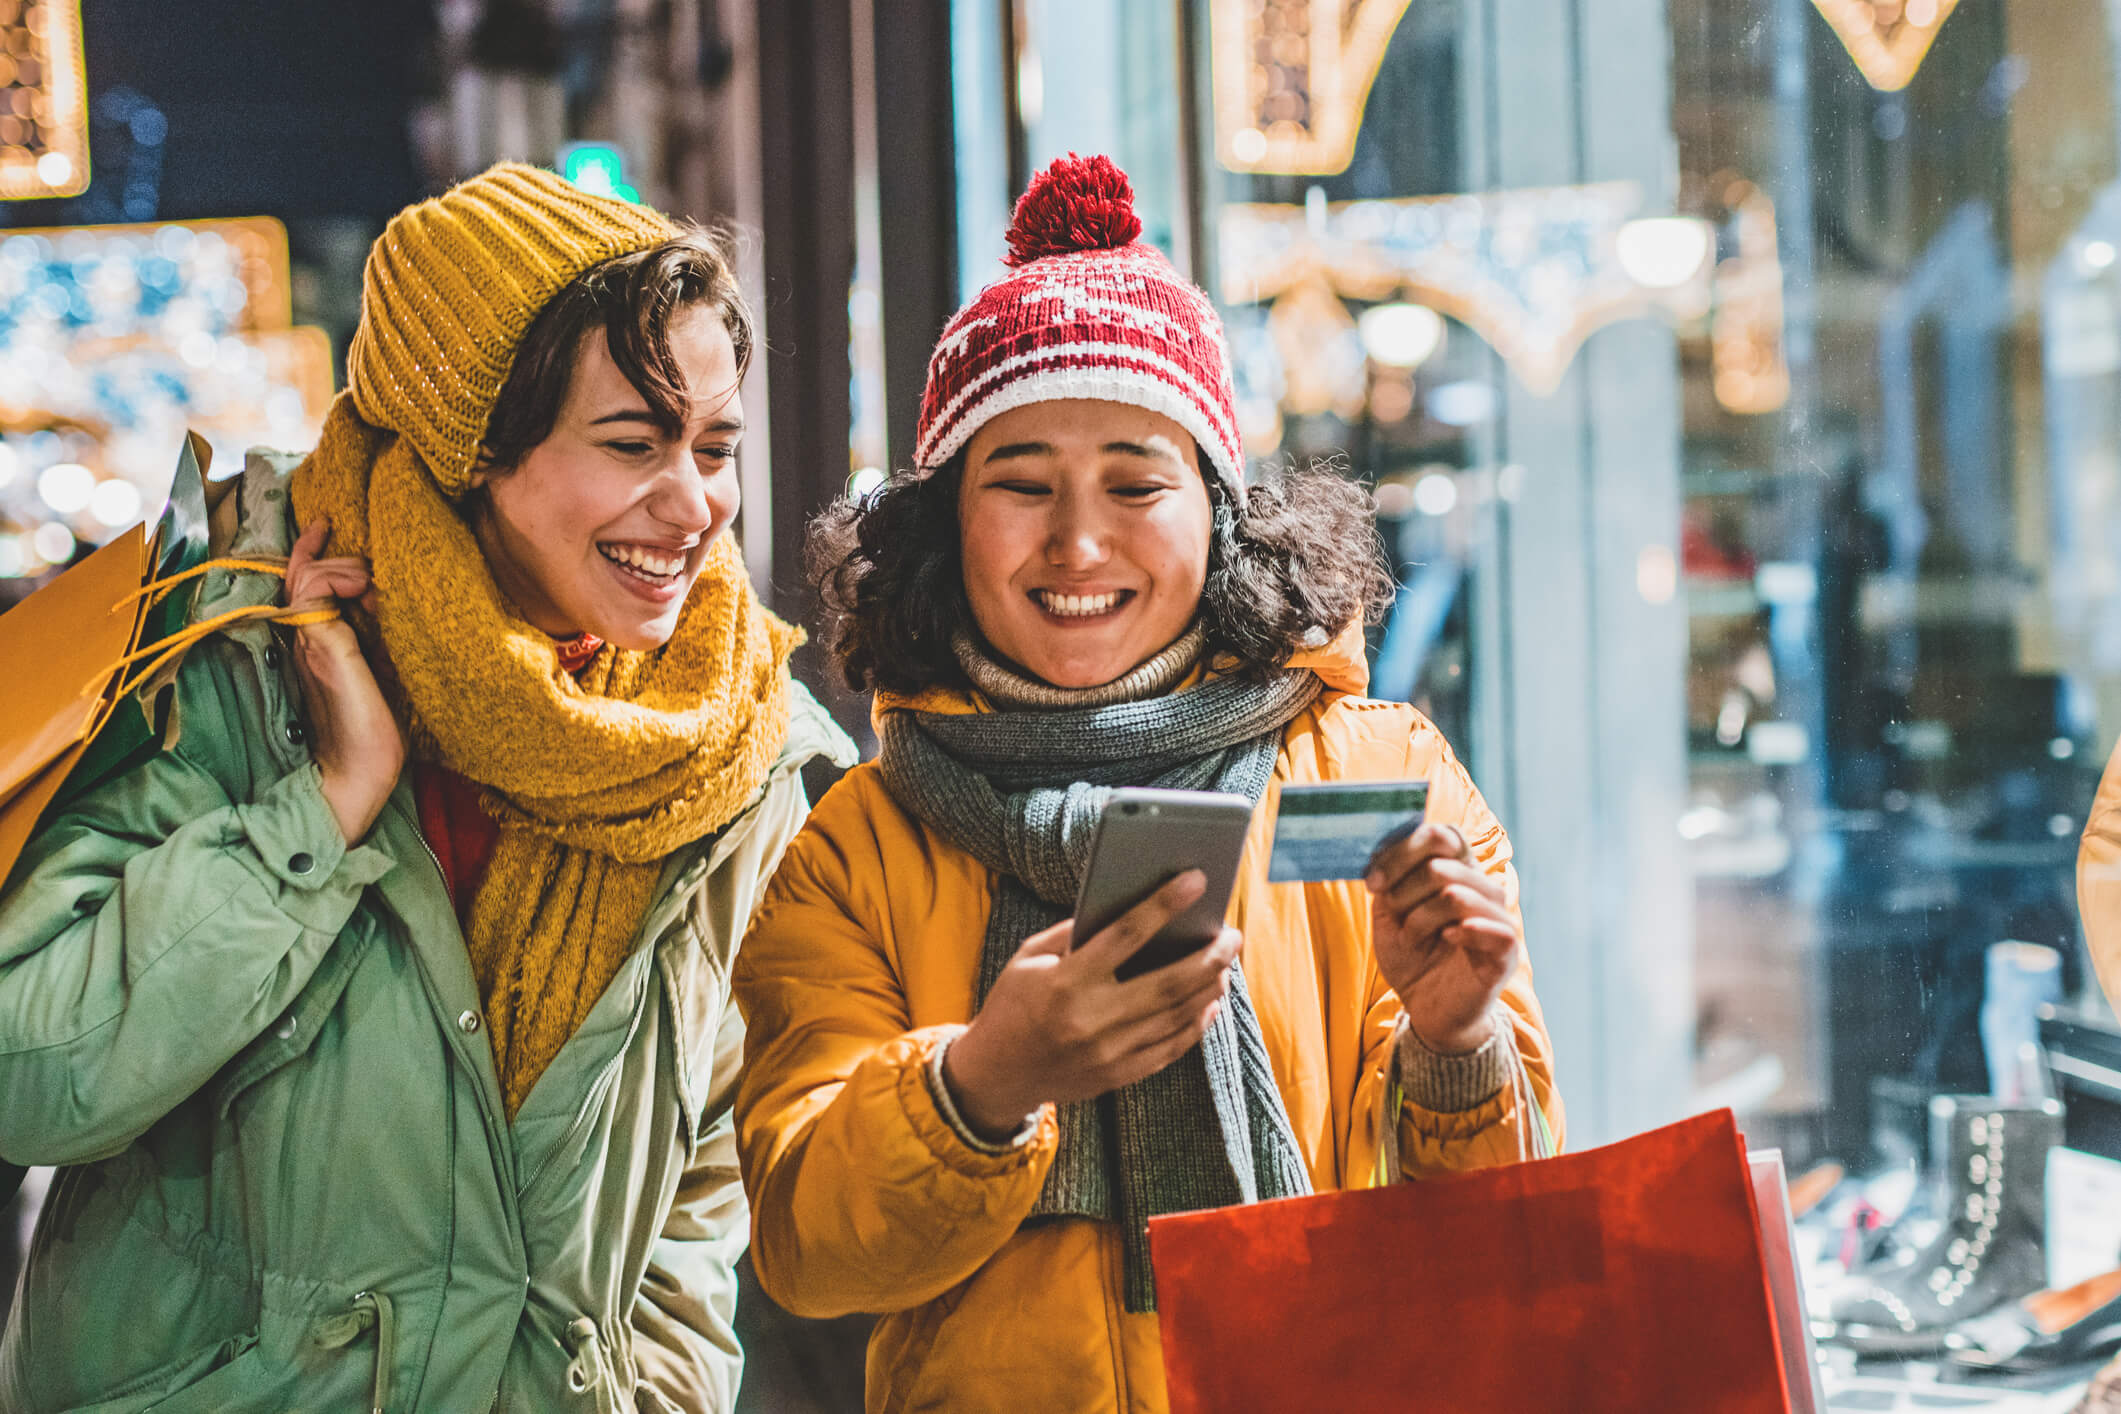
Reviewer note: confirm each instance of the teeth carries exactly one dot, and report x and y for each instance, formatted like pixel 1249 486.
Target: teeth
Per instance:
pixel 653 563
pixel 1078 605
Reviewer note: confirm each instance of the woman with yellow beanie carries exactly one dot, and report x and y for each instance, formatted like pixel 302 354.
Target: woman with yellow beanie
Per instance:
pixel 380 1027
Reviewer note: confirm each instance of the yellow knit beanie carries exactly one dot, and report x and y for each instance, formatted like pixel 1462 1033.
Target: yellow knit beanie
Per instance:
pixel 450 287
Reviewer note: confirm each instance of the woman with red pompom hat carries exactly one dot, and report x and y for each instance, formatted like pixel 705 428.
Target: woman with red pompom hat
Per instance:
pixel 948 1114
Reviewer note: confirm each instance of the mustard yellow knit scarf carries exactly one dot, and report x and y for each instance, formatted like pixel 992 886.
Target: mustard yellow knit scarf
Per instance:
pixel 595 781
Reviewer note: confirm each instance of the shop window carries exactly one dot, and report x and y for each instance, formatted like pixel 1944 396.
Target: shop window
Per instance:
pixel 1738 386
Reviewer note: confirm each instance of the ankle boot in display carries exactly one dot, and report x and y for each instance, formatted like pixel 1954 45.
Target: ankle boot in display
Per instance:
pixel 2045 1330
pixel 1989 1251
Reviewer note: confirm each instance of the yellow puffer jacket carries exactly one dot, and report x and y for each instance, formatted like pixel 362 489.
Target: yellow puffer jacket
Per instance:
pixel 863 959
pixel 2099 880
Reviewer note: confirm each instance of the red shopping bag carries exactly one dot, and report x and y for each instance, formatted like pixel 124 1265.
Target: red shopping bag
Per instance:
pixel 1622 1280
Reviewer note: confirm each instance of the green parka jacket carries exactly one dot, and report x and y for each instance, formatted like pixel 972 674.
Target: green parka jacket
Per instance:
pixel 287 1181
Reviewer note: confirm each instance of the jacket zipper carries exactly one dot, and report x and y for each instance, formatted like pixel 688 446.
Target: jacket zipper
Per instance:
pixel 432 858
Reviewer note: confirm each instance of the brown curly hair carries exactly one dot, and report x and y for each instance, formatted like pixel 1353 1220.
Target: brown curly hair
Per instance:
pixel 1299 559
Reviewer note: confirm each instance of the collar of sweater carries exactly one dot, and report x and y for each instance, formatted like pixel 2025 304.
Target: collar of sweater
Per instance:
pixel 1012 691
pixel 1341 664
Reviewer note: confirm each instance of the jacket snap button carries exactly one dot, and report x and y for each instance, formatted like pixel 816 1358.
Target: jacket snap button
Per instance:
pixel 468 1021
pixel 272 658
pixel 295 734
pixel 301 863
pixel 286 1029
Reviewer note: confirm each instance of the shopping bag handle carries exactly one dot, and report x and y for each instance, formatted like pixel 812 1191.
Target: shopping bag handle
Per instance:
pixel 1535 1137
pixel 159 653
pixel 155 590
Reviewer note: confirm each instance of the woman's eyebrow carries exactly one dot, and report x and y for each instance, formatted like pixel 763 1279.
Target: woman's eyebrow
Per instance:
pixel 1140 449
pixel 663 424
pixel 1019 449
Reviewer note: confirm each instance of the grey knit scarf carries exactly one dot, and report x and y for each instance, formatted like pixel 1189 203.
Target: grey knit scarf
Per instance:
pixel 1022 792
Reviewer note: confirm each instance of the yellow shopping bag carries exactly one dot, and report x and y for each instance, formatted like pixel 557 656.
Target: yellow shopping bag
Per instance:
pixel 65 642
pixel 94 651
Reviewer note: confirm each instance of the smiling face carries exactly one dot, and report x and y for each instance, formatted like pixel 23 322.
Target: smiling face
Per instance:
pixel 602 527
pixel 1084 527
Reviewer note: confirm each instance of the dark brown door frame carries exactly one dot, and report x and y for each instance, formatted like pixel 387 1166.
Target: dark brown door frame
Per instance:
pixel 917 200
pixel 807 146
pixel 806 149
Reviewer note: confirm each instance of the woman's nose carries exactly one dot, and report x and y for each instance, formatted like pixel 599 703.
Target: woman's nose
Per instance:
pixel 1077 536
pixel 685 501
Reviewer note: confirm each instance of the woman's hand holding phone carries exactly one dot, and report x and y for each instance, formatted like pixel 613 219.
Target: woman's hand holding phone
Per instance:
pixel 1059 1026
pixel 1444 936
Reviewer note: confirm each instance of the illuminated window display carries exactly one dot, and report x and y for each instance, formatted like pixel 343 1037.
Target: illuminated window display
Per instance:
pixel 1756 519
pixel 114 340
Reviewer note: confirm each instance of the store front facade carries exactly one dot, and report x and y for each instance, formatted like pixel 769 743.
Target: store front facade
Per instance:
pixel 1737 383
pixel 1704 361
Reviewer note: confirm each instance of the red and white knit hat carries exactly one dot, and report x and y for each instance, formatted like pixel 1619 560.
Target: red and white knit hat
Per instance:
pixel 1088 312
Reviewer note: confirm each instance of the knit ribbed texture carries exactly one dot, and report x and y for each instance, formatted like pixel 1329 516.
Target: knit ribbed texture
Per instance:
pixel 449 289
pixel 595 779
pixel 1110 322
pixel 1008 689
pixel 1022 792
pixel 1453 1084
pixel 939 1091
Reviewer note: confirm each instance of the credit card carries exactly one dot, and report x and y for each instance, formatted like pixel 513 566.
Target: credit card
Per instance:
pixel 1330 831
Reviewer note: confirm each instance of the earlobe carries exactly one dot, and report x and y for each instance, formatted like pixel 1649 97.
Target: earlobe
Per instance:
pixel 484 469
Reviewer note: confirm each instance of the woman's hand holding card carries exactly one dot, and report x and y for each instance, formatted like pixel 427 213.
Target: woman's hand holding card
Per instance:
pixel 1445 938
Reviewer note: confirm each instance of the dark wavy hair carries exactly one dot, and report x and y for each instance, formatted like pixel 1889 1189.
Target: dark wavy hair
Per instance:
pixel 1300 560
pixel 634 298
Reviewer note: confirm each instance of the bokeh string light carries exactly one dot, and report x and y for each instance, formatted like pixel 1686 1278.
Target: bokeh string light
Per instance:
pixel 1534 272
pixel 1292 77
pixel 43 100
pixel 114 340
pixel 1888 39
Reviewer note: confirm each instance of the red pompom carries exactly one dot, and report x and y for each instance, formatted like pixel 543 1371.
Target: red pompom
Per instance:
pixel 1077 203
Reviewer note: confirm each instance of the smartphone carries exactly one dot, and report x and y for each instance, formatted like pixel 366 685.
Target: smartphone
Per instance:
pixel 1148 837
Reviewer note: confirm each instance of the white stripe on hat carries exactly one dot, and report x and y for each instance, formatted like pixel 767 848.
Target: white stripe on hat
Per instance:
pixel 1150 385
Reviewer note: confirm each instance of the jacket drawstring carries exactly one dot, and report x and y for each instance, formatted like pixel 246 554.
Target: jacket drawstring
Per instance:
pixel 371 1311
pixel 591 1367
